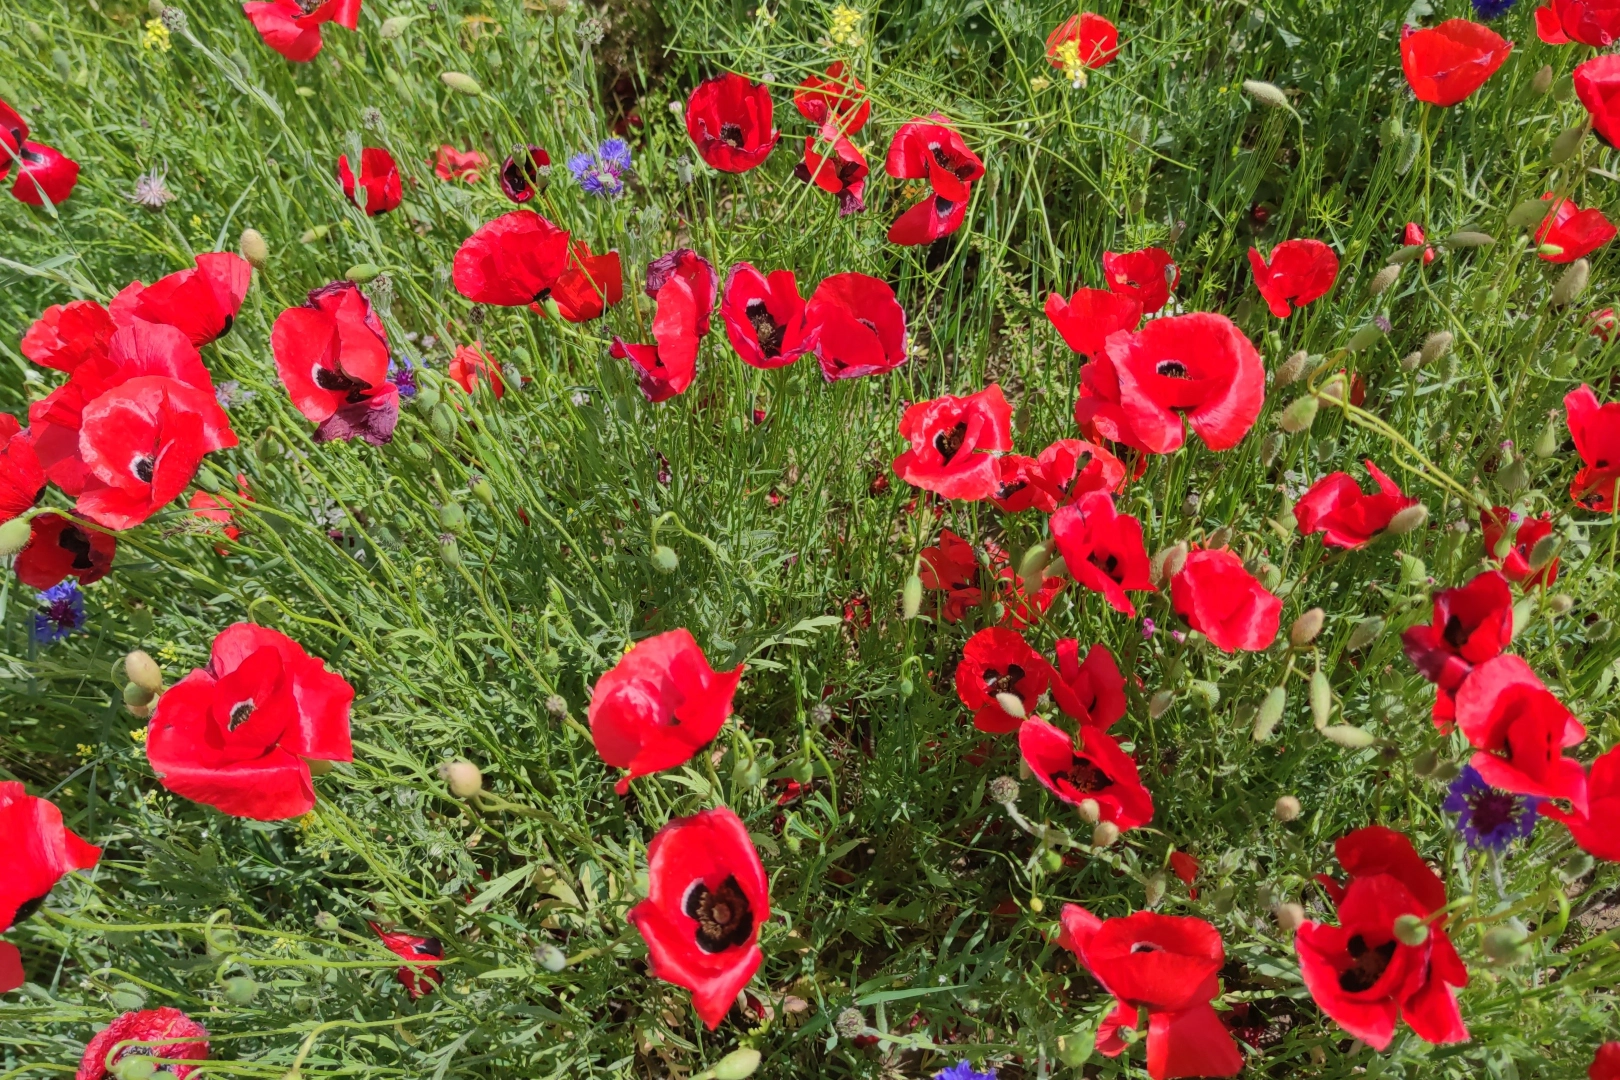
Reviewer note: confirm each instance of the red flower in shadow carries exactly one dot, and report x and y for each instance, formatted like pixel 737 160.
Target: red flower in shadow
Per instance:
pixel 1090 316
pixel 294 32
pixel 1472 624
pixel 511 261
pixel 471 365
pixel 1576 233
pixel 1102 549
pixel 22 478
pixel 953 443
pixel 67 335
pixel 59 547
pixel 201 302
pixel 1147 276
pixel 332 356
pixel 1594 829
pixel 1336 507
pixel 763 315
pixel 1096 40
pixel 1092 692
pixel 996 662
pixel 728 119
pixel 855 326
pixel 1595 430
pixel 1223 601
pixel 1519 731
pixel 842 173
pixel 165 1033
pixel 835 102
pixel 525 173
pixel 1098 770
pixel 1299 271
pixel 419 974
pixel 930 149
pixel 1516 563
pixel 379 178
pixel 1446 63
pixel 40 849
pixel 450 164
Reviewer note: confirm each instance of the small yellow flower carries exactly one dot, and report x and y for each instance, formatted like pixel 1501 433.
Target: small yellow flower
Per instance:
pixel 156 36
pixel 86 751
pixel 137 735
pixel 196 221
pixel 1068 55
pixel 846 27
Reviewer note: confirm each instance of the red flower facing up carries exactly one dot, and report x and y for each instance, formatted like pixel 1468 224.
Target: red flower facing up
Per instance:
pixel 1413 237
pixel 1576 233
pixel 379 180
pixel 1299 271
pixel 164 1033
pixel 952 567
pixel 842 173
pixel 1224 602
pixel 1103 549
pixel 1092 692
pixel 996 662
pixel 1197 366
pixel 1358 972
pixel 1146 276
pixel 525 173
pixel 332 356
pixel 451 164
pixel 1590 22
pixel 728 119
pixel 1594 829
pixel 238 735
pixel 667 367
pixel 707 897
pixel 68 334
pixel 1516 563
pixel 1472 624
pixel 835 102
pixel 1519 730
pixel 40 849
pixel 954 441
pixel 22 478
pixel 1336 507
pixel 1605 1063
pixel 1446 63
pixel 764 316
pixel 931 150
pixel 471 365
pixel 1098 770
pixel 294 32
pixel 201 302
pixel 1596 431
pixel 59 547
pixel 590 285
pixel 419 974
pixel 1096 40
pixel 855 326
pixel 511 261
pixel 44 172
pixel 660 704
pixel 1087 318
pixel 1168 965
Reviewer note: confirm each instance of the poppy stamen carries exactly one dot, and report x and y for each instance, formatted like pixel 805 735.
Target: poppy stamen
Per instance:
pixel 724 917
pixel 240 712
pixel 997 682
pixel 1368 966
pixel 142 467
pixel 337 380
pixel 1173 369
pixel 73 540
pixel 1082 778
pixel 949 442
pixel 770 332
pixel 28 907
pixel 732 134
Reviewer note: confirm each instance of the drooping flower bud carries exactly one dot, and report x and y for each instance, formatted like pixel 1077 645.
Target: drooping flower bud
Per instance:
pixel 1411 930
pixel 1412 361
pixel 1568 141
pixel 461 83
pixel 1270 713
pixel 1547 443
pixel 1306 627
pixel 1160 703
pixel 14 536
pixel 137 696
pixel 1406 520
pixel 1290 916
pixel 1033 565
pixel 1506 945
pixel 1321 699
pixel 254 249
pixel 1527 213
pixel 1286 809
pixel 1364 338
pixel 1436 345
pixel 1560 603
pixel 362 273
pixel 394 26
pixel 1289 371
pixel 1384 279
pixel 1167 563
pixel 1571 283
pixel 1469 239
pixel 1090 811
pixel 1426 762
pixel 1156 885
pixel 664 559
pixel 1367 631
pixel 1542 81
pixel 1268 94
pixel 240 990
pixel 462 778
pixel 911 597
pixel 1299 415
pixel 1012 705
pixel 1105 834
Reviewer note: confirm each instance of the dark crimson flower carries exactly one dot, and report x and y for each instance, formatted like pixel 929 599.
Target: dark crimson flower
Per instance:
pixel 472 365
pixel 1488 817
pixel 1087 318
pixel 201 302
pixel 1224 602
pixel 1590 22
pixel 1358 972
pixel 1548 28
pixel 1185 867
pixel 44 172
pixel 1413 237
pixel 1103 549
pixel 1168 965
pixel 466 166
pixel 379 177
pixel 835 102
pixel 1516 563
pixel 659 705
pixel 590 285
pixel 1098 769
pixel 1605 1063
pixel 1596 431
pixel 419 974
pixel 40 849
pixel 1093 39
pixel 1146 276
pixel 1519 730
pixel 525 173
pixel 1446 63
pixel 707 897
pixel 11 970
pixel 1594 828
pixel 68 334
pixel 696 271
pixel 511 261
pixel 293 30
pixel 667 367
pixel 930 149
pixel 1092 692
pixel 239 734
pixel 13 133
pixel 332 356
pixel 1472 624
pixel 1299 271
pixel 855 326
pixel 952 567
pixel 1200 366
pixel 842 173
pixel 1336 506
pixel 764 316
pixel 997 662
pixel 954 441
pixel 22 479
pixel 728 119
pixel 59 547
pixel 165 1033
pixel 1576 233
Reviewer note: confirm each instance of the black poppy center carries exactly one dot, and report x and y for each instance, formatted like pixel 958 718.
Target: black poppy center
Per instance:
pixel 950 441
pixel 1368 964
pixel 28 907
pixel 429 947
pixel 239 714
pixel 731 135
pixel 142 468
pixel 30 157
pixel 1491 810
pixel 998 682
pixel 770 332
pixel 341 382
pixel 724 917
pixel 1146 946
pixel 1455 633
pixel 1005 490
pixel 1172 369
pixel 76 542
pixel 1108 564
pixel 958 169
pixel 230 321
pixel 1084 777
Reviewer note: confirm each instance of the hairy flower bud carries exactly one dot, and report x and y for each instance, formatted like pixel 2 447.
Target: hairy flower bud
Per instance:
pixel 664 559
pixel 1351 738
pixel 461 83
pixel 1160 703
pixel 1571 283
pixel 737 1065
pixel 1004 789
pixel 549 957
pixel 1270 713
pixel 1505 945
pixel 143 671
pixel 1105 834
pixel 1542 81
pixel 911 597
pixel 1364 338
pixel 1286 809
pixel 1411 518
pixel 1321 699
pixel 1367 631
pixel 254 249
pixel 1469 239
pixel 1090 811
pixel 394 26
pixel 1012 705
pixel 462 777
pixel 1156 885
pixel 1290 370
pixel 1299 415
pixel 1306 627
pixel 1289 916
pixel 1168 562
pixel 1268 94
pixel 1568 141
pixel 1384 279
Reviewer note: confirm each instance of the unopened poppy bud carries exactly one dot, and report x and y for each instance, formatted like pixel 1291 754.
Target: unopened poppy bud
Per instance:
pixel 1299 415
pixel 1270 447
pixel 1052 861
pixel 395 26
pixel 1367 631
pixel 1600 630
pixel 1290 916
pixel 325 920
pixel 1560 604
pixel 1411 930
pixel 461 83
pixel 850 1023
pixel 137 696
pixel 664 559
pixel 1270 713
pixel 1527 213
pixel 1090 811
pixel 1384 279
pixel 1505 945
pixel 907 687
pixel 1445 772
pixel 1033 565
pixel 452 518
pixel 14 536
pixel 1012 705
pixel 1306 627
pixel 462 778
pixel 1365 338
pixel 1547 444
pixel 1004 789
pixel 1220 538
pixel 1543 551
pixel 1571 283
pixel 1469 239
pixel 1321 699
pixel 1169 561
pixel 1568 141
pixel 361 273
pixel 419 452
pixel 1351 738
pixel 443 421
pixel 1205 693
pixel 240 990
pixel 1268 94
pixel 1160 703
pixel 1105 834
pixel 314 233
pixel 253 248
pixel 318 766
pixel 911 597
pixel 1411 144
pixel 1542 81
pixel 1290 369
pixel 1550 251
pixel 483 492
pixel 549 957
pixel 1286 809
pixel 1412 361
pixel 1436 345
pixel 143 671
pixel 737 1065
pixel 1409 519
pixel 1154 889
pixel 132 1067
pixel 427 398
pixel 747 773
pixel 801 771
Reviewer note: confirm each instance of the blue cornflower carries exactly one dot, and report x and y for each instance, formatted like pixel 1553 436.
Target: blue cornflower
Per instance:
pixel 600 172
pixel 1492 9
pixel 963 1070
pixel 403 375
pixel 1489 817
pixel 63 614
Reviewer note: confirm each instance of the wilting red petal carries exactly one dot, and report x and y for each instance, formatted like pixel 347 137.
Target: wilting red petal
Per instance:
pixel 1446 63
pixel 190 1042
pixel 728 119
pixel 1088 317
pixel 1299 271
pixel 953 440
pixel 40 849
pixel 379 178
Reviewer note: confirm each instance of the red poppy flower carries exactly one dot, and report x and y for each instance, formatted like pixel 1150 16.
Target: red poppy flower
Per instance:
pixel 590 285
pixel 996 661
pixel 1146 276
pixel 1020 485
pixel 1224 602
pixel 1096 40
pixel 1299 271
pixel 1336 506
pixel 59 547
pixel 511 261
pixel 1072 467
pixel 1519 730
pixel 1103 549
pixel 525 173
pixel 855 326
pixel 379 176
pixel 1516 563
pixel 1590 22
pixel 22 479
pixel 842 173
pixel 294 32
pixel 1446 63
pixel 1168 965
pixel 1605 1063
pixel 667 367
pixel 696 271
pixel 217 512
pixel 452 164
pixel 1413 237
pixel 39 851
pixel 728 119
pixel 954 441
pixel 707 897
pixel 1601 323
pixel 1185 867
pixel 238 735
pixel 1548 28
pixel 835 102
pixel 419 974
pixel 1200 366
pixel 1472 624
pixel 13 133
pixel 1092 692
pixel 1594 828
pixel 332 356
pixel 44 172
pixel 660 704
pixel 1087 318
pixel 1575 232
pixel 1597 84
pixel 68 334
pixel 472 365
pixel 1596 431
pixel 764 316
pixel 165 1033
pixel 11 970
pixel 1098 769
pixel 930 149
pixel 952 567
pixel 201 302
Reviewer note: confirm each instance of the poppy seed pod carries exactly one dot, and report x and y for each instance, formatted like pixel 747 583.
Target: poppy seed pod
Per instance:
pixel 452 518
pixel 134 1068
pixel 361 273
pixel 1004 789
pixel 462 778
pixel 449 550
pixel 461 83
pixel 1568 141
pixel 254 249
pixel 1384 279
pixel 143 671
pixel 1033 565
pixel 1542 81
pixel 1436 345
pixel 1286 809
pixel 1571 283
pixel 1306 627
pixel 483 492
pixel 1299 415
pixel 737 1065
pixel 1408 520
pixel 1268 94
pixel 911 597
pixel 1290 370
pixel 1547 444
pixel 1270 713
pixel 1410 930
pixel 1289 916
pixel 1105 834
pixel 664 559
pixel 1154 889
pixel 137 697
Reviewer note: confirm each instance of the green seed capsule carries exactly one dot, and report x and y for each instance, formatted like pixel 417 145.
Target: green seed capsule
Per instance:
pixel 452 518
pixel 137 696
pixel 360 273
pixel 14 536
pixel 135 1067
pixel 1411 144
pixel 419 452
pixel 483 492
pixel 664 559
pixel 427 398
pixel 1411 930
pixel 737 1065
pixel 443 421
pixel 1052 861
pixel 1568 141
pixel 449 551
pixel 240 990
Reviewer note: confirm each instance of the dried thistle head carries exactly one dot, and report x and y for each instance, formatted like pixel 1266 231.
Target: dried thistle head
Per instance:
pixel 152 190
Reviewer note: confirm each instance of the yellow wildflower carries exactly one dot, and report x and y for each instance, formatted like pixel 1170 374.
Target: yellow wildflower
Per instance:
pixel 1068 56
pixel 156 36
pixel 846 27
pixel 137 735
pixel 86 751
